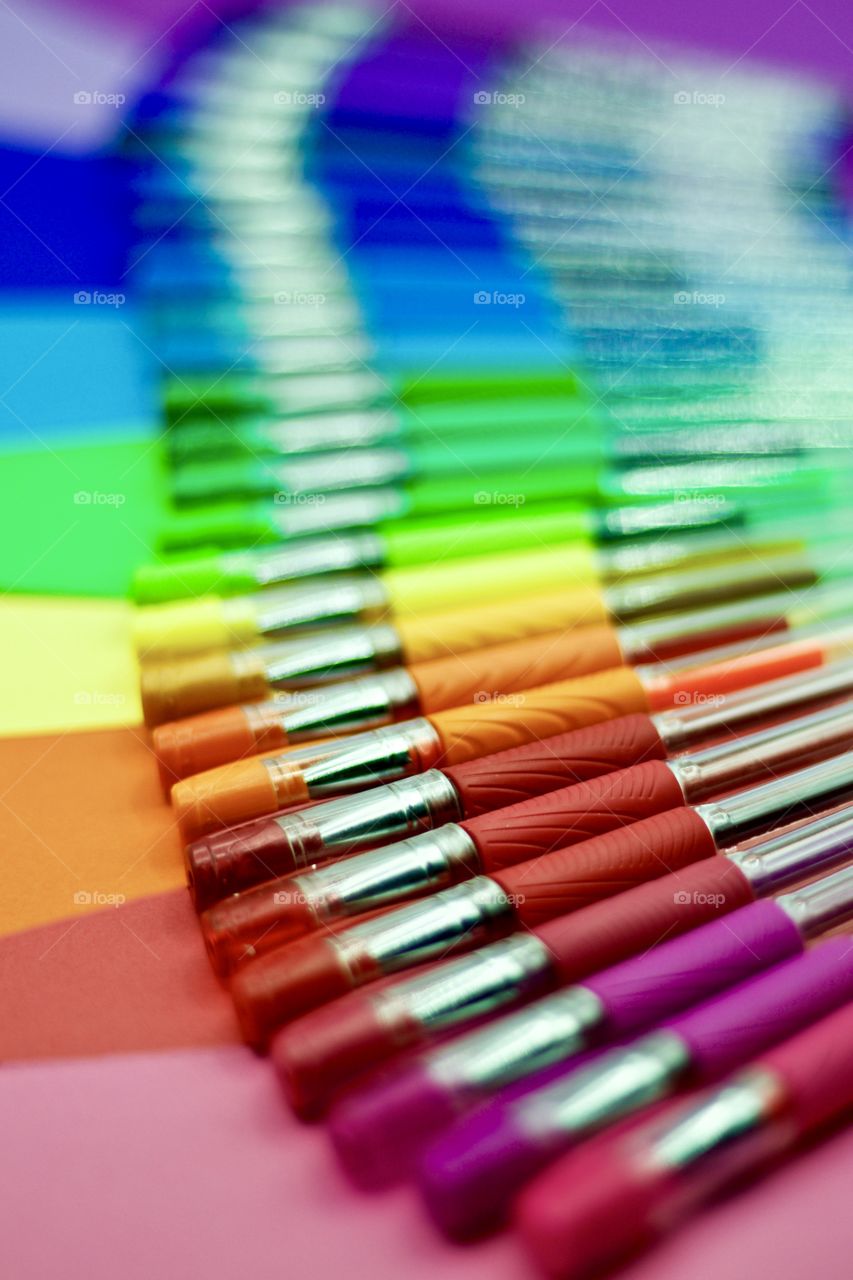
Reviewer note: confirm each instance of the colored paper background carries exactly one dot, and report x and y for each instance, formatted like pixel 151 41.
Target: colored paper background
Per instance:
pixel 158 1146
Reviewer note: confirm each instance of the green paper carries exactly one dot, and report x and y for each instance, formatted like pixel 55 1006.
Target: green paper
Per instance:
pixel 77 520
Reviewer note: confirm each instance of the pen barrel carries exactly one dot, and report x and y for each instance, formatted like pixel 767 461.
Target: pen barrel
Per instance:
pixel 681 725
pixel 822 905
pixel 609 931
pixel 510 575
pixel 451 632
pixel 737 1025
pixel 568 879
pixel 732 764
pixel 493 673
pixel 573 814
pixel 815 1070
pixel 512 776
pixel 780 860
pixel 783 799
pixel 688 589
pixel 471 733
pixel 682 972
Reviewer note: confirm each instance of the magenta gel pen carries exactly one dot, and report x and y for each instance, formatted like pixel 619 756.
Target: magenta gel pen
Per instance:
pixel 470 1175
pixel 379 1129
pixel 596 1206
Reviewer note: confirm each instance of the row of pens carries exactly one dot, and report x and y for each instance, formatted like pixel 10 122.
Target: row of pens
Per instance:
pixel 520 829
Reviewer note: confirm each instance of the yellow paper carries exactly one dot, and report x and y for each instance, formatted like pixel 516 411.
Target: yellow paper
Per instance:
pixel 66 664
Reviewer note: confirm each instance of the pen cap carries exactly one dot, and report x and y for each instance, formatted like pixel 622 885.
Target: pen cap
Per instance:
pixel 194 625
pixel 816 1069
pixel 173 690
pixel 220 525
pixel 196 575
pixel 542 765
pixel 202 742
pixel 233 793
pixel 573 814
pixel 494 577
pixel 455 631
pixel 735 1026
pixel 470 732
pixel 503 669
pixel 487 534
pixel 594 1206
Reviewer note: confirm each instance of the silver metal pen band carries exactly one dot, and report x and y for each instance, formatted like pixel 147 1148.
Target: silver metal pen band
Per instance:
pixel 329 655
pixel 468 987
pixel 780 860
pixel 724 1131
pixel 365 703
pixel 467 914
pixel 519 1044
pixel 311 558
pixel 375 816
pixel 407 869
pixel 380 755
pixel 614 1085
pixel 286 608
pixel 735 817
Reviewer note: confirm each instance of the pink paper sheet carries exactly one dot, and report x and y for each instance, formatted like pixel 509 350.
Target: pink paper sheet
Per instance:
pixel 188 1165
